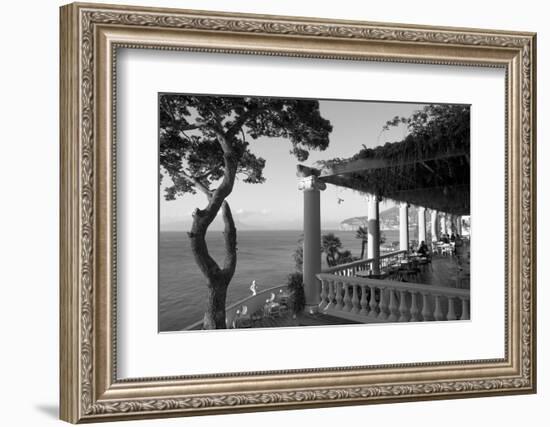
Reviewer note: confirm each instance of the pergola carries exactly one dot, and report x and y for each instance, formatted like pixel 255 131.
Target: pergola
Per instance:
pixel 430 176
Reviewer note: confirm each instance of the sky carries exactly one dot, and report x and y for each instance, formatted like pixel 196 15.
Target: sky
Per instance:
pixel 277 204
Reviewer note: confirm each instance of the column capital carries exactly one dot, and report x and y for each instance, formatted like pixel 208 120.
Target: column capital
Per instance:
pixel 310 183
pixel 373 197
pixel 422 208
pixel 404 204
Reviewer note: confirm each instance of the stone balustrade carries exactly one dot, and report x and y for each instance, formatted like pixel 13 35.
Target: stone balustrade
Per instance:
pixel 351 268
pixel 375 301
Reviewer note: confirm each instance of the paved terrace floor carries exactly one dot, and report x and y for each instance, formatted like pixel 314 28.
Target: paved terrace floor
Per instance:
pixel 445 271
pixel 318 319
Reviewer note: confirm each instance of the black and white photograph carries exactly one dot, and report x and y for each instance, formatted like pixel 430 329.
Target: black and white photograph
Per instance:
pixel 288 212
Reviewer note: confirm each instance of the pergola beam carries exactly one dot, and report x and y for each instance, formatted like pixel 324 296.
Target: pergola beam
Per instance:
pixel 362 165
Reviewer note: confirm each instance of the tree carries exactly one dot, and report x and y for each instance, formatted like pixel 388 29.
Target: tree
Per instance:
pixel 331 244
pixel 298 255
pixel 204 146
pixel 362 234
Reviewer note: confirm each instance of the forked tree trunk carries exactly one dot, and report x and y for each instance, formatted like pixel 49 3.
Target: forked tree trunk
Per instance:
pixel 218 279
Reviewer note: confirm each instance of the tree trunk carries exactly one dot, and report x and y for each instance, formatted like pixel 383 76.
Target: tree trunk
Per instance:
pixel 218 279
pixel 214 317
pixel 362 248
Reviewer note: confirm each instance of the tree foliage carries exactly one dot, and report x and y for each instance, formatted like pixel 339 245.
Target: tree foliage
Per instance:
pixel 192 152
pixel 331 245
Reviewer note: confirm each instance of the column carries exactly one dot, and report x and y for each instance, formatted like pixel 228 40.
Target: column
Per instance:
pixel 374 232
pixel 435 234
pixel 404 226
pixel 452 224
pixel 443 223
pixel 459 225
pixel 421 225
pixel 312 187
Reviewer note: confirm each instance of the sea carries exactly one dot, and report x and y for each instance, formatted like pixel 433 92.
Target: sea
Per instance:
pixel 263 255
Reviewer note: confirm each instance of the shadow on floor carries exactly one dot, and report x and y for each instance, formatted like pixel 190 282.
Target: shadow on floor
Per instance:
pixel 50 410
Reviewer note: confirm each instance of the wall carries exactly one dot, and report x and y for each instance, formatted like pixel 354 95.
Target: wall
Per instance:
pixel 29 215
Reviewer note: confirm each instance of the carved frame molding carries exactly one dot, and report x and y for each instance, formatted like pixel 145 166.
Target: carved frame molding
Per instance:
pixel 90 35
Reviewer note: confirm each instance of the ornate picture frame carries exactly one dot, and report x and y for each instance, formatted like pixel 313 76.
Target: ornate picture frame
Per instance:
pixel 90 37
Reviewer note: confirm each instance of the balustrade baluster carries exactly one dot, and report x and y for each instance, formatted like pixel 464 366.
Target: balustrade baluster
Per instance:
pixel 347 297
pixel 438 312
pixel 331 295
pixel 393 306
pixel 451 314
pixel 383 315
pixel 426 309
pixel 355 299
pixel 403 309
pixel 364 301
pixel 465 309
pixel 339 298
pixel 415 311
pixel 372 301
pixel 324 294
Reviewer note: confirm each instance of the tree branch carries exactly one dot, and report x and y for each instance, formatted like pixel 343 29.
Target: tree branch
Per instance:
pixel 196 181
pixel 241 120
pixel 230 239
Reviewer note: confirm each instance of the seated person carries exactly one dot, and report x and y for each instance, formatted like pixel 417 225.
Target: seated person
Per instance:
pixel 453 237
pixel 422 249
pixel 445 238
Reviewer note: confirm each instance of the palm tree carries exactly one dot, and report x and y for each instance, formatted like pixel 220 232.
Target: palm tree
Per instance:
pixel 330 246
pixel 362 234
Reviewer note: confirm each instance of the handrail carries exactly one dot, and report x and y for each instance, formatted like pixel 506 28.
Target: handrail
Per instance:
pixel 362 261
pixel 399 286
pixel 233 307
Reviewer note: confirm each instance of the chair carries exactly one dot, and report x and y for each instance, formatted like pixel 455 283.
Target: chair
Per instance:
pixel 242 318
pixel 272 309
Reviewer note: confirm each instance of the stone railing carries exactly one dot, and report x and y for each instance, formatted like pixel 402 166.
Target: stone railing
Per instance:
pixel 250 305
pixel 351 268
pixel 373 301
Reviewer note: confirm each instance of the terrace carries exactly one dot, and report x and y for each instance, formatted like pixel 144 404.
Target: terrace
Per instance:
pixel 429 170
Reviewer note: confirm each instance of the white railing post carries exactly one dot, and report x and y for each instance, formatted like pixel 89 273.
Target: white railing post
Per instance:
pixel 426 311
pixel 364 301
pixel 393 307
pixel 383 314
pixel 347 297
pixel 415 311
pixel 451 314
pixel 465 309
pixel 324 294
pixel 438 312
pixel 372 301
pixel 355 299
pixel 339 298
pixel 403 309
pixel 331 295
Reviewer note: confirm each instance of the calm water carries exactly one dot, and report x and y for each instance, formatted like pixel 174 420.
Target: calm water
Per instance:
pixel 264 256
